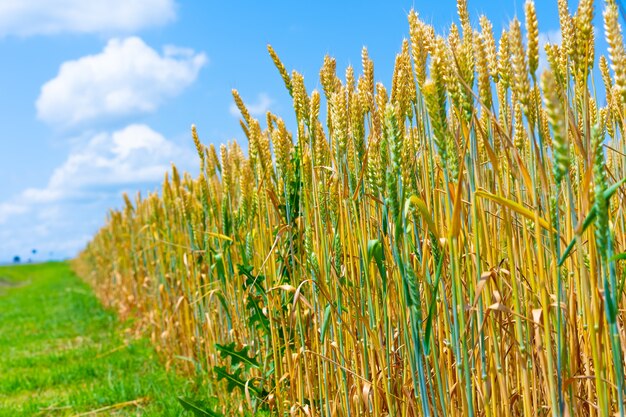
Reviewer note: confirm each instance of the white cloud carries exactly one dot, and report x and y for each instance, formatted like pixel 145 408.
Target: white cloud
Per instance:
pixel 127 77
pixel 545 38
pixel 48 17
pixel 257 109
pixel 128 157
pixel 133 155
pixel 62 216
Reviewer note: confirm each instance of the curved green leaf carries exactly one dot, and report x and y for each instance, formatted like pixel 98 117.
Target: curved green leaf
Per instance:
pixel 424 212
pixel 197 408
pixel 608 193
pixel 375 251
pixel 431 308
pixel 237 357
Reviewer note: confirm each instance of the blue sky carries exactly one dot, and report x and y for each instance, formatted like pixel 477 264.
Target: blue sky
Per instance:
pixel 98 97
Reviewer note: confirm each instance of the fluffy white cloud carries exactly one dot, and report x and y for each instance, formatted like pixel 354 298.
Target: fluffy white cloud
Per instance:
pixel 130 157
pixel 62 216
pixel 46 17
pixel 257 109
pixel 127 77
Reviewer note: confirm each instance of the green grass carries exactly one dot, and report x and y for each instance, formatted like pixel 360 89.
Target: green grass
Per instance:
pixel 63 354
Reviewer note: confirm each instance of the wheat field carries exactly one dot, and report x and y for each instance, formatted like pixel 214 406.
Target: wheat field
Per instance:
pixel 451 244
